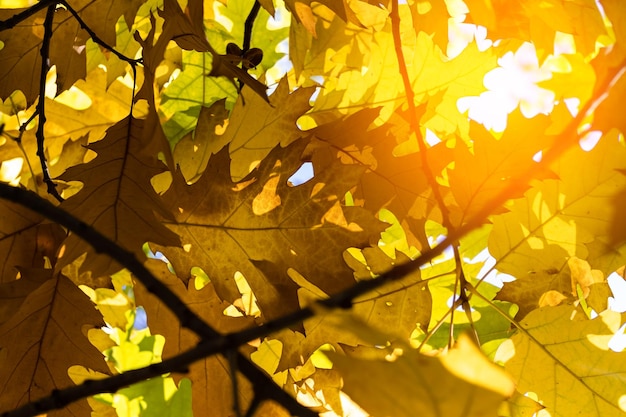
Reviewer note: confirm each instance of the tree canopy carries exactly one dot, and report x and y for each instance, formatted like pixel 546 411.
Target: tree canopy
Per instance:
pixel 330 208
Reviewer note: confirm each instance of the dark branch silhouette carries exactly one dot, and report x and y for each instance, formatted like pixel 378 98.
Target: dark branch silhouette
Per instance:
pixel 41 104
pixel 187 317
pixel 25 14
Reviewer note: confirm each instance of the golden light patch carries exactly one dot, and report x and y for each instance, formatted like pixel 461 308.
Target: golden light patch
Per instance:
pixel 267 200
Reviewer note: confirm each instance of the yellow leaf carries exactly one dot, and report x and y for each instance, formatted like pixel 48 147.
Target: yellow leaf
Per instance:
pixel 452 384
pixel 565 360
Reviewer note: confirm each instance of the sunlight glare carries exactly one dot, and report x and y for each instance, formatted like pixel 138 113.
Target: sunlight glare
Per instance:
pixel 10 170
pixel 513 84
pixel 618 340
pixel 617 284
pixel 589 141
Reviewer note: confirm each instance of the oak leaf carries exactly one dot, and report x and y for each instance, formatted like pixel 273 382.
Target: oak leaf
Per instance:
pixel 13 293
pixel 210 377
pixel 25 240
pixel 22 44
pixel 117 197
pixel 494 165
pixel 35 341
pixel 392 180
pixel 538 21
pixel 227 227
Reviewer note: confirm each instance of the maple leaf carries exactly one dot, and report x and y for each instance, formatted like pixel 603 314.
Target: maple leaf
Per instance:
pixel 228 226
pixel 117 197
pixel 546 359
pixel 36 340
pixel 25 240
pixel 431 17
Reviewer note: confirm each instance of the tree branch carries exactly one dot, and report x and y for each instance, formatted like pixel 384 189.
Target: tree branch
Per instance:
pixel 186 316
pixel 247 34
pixel 25 14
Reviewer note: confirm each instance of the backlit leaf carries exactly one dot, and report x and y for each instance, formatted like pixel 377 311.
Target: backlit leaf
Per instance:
pixel 117 197
pixel 429 386
pixel 35 341
pixel 564 359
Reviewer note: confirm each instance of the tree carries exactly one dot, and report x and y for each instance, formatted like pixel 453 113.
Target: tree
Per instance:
pixel 312 208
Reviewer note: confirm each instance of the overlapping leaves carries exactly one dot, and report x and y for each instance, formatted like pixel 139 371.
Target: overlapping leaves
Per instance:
pixel 232 213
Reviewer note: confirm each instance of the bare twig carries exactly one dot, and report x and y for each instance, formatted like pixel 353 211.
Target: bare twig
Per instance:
pixel 41 104
pixel 96 38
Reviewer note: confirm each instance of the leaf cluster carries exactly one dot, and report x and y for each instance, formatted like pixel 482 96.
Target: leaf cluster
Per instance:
pixel 306 208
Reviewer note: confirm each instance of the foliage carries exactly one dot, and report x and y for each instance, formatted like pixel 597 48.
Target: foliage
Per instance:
pixel 405 208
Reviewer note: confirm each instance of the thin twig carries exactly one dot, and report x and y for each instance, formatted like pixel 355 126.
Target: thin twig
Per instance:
pixel 94 37
pixel 247 34
pixel 232 364
pixel 41 104
pixel 394 14
pixel 423 151
pixel 18 139
pixel 455 304
pixel 187 317
pixel 463 288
